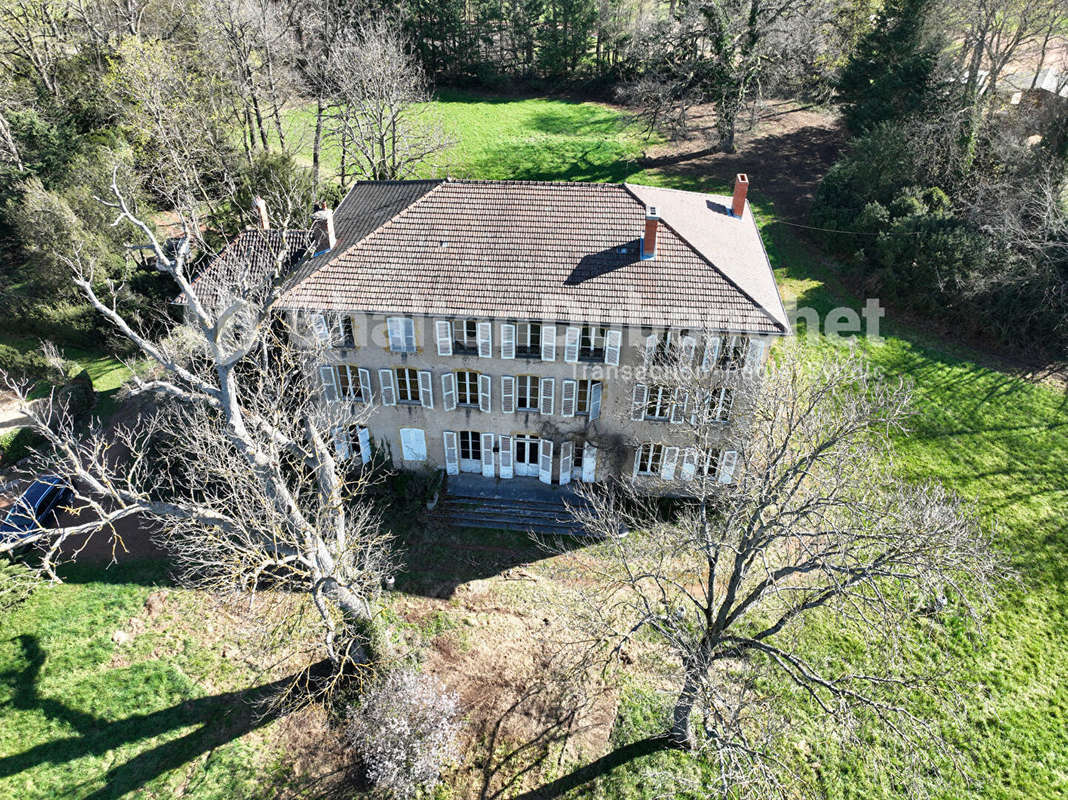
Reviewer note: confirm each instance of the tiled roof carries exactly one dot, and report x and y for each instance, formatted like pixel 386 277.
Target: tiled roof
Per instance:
pixel 568 251
pixel 251 264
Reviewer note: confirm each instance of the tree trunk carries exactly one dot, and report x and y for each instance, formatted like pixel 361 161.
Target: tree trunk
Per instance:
pixel 317 144
pixel 681 733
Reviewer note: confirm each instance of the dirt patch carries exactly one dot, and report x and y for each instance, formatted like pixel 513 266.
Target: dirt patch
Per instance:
pixel 785 153
pixel 526 714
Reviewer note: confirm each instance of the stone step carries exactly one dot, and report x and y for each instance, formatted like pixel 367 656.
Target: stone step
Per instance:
pixel 505 520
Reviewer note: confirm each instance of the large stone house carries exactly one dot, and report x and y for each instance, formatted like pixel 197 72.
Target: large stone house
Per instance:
pixel 500 328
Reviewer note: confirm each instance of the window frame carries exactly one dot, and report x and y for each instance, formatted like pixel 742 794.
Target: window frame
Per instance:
pixel 460 346
pixel 652 455
pixel 406 382
pixel 732 352
pixel 467 376
pixel 524 391
pixel 664 395
pixel 474 445
pixel 528 340
pixel 589 349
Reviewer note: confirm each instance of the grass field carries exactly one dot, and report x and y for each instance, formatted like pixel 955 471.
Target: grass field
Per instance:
pixel 66 692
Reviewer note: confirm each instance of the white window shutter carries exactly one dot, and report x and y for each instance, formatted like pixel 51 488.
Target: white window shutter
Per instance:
pixel 485 340
pixel 426 389
pixel 365 384
pixel 409 334
pixel 365 445
pixel 487 455
pixel 637 459
pixel 566 455
pixel 754 359
pixel 448 391
pixel 568 390
pixel 389 388
pixel 712 345
pixel 727 463
pixel 485 389
pixel 571 344
pixel 506 458
pixel 452 460
pixel 546 390
pixel 507 394
pixel 726 401
pixel 671 458
pixel 395 328
pixel 548 343
pixel 329 378
pixel 595 400
pixel 545 462
pixel 640 400
pixel 689 464
pixel 689 348
pixel 413 444
pixel 507 340
pixel 320 328
pixel 613 343
pixel 678 405
pixel 589 463
pixel 444 336
pixel 342 444
pixel 650 348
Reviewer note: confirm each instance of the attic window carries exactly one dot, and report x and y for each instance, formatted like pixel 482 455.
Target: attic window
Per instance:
pixel 444 242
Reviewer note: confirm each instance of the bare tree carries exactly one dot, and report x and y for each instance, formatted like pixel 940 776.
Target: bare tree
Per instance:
pixel 378 117
pixel 719 53
pixel 799 586
pixel 245 465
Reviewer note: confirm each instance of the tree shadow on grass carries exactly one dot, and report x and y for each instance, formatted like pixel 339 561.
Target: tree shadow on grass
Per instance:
pixel 219 718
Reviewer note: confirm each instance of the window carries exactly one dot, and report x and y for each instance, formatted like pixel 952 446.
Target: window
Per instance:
pixel 348 382
pixel 591 343
pixel 659 405
pixel 528 339
pixel 401 334
pixel 732 356
pixel 471 445
pixel 585 393
pixel 407 385
pixel 527 393
pixel 576 462
pixel 467 388
pixel 413 444
pixel 710 467
pixel 465 336
pixel 648 458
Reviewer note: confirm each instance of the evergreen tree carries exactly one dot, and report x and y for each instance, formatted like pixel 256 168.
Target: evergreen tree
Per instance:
pixel 892 71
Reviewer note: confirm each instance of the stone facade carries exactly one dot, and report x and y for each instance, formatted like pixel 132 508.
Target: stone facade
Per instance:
pixel 577 435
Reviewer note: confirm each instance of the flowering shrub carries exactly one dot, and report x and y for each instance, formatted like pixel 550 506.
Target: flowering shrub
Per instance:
pixel 404 730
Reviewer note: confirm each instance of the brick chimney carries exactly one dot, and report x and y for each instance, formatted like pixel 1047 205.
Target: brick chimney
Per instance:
pixel 741 189
pixel 652 228
pixel 323 226
pixel 259 208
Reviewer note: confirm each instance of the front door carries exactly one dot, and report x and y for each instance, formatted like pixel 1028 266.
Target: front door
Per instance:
pixel 526 455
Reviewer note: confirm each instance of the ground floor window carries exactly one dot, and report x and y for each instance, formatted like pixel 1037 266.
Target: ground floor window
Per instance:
pixel 648 459
pixel 471 445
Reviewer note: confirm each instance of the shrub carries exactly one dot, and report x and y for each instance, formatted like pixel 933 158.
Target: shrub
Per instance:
pixel 404 731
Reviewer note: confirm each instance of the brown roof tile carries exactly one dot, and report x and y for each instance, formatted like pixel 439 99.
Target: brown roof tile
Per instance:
pixel 539 250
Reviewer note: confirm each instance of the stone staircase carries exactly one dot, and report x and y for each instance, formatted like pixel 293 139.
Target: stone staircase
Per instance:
pixel 541 513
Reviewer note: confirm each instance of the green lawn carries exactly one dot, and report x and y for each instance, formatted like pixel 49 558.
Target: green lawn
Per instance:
pixel 85 717
pixel 999 440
